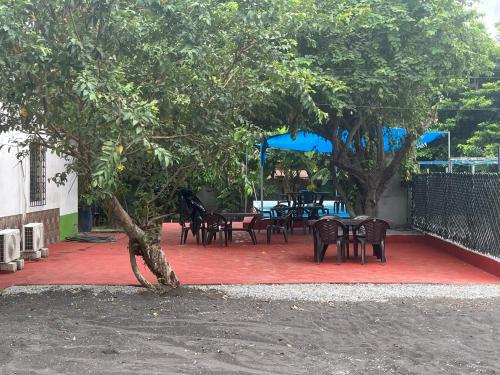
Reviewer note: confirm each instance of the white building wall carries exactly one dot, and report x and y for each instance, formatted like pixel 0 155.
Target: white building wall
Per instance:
pixel 14 182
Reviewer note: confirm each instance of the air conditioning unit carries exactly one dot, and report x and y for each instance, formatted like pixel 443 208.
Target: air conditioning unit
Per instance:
pixel 10 245
pixel 33 237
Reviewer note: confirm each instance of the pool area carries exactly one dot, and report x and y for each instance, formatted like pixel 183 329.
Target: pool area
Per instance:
pixel 330 205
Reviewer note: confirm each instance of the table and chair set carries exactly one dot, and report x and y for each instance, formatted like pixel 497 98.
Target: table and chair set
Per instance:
pixel 311 200
pixel 361 230
pixel 282 219
pixel 215 224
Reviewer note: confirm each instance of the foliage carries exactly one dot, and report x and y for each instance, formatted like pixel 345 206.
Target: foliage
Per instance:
pixel 135 90
pixel 470 111
pixel 472 114
pixel 383 63
pixel 132 90
pixel 146 96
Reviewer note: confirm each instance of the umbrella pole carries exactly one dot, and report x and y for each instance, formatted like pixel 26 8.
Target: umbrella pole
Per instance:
pixel 246 179
pixel 261 187
pixel 261 178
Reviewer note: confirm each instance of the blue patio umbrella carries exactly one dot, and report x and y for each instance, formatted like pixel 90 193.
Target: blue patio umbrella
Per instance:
pixel 307 141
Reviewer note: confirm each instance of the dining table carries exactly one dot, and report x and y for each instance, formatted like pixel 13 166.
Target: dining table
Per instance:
pixel 297 197
pixel 233 216
pixel 238 217
pixel 349 223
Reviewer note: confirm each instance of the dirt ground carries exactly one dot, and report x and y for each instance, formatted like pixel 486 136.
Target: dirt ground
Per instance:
pixel 195 332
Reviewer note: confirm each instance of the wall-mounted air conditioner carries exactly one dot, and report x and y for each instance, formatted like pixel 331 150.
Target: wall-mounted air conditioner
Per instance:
pixel 32 237
pixel 10 245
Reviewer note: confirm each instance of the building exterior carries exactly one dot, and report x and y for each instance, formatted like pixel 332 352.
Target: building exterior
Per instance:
pixel 26 195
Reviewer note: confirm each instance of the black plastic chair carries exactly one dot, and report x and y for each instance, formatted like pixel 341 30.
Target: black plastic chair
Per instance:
pixel 284 199
pixel 318 205
pixel 326 232
pixel 279 224
pixel 279 210
pixel 375 232
pixel 358 231
pixel 338 205
pixel 298 217
pixel 249 229
pixel 186 226
pixel 191 213
pixel 214 224
pixel 308 196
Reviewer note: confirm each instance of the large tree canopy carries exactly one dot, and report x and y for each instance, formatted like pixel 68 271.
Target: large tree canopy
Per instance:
pixel 382 63
pixel 130 89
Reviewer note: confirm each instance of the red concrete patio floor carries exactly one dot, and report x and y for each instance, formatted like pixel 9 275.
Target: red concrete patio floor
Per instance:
pixel 410 259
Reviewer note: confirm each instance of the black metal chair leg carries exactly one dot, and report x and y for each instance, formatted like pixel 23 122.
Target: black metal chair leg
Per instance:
pixel 382 252
pixel 363 252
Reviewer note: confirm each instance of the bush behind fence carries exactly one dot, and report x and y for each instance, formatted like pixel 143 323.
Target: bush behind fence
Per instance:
pixel 463 208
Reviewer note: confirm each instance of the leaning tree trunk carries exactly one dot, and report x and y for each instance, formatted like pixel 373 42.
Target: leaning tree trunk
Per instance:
pixel 139 244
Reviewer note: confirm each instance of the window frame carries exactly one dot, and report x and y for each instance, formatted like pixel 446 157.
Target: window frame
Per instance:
pixel 38 175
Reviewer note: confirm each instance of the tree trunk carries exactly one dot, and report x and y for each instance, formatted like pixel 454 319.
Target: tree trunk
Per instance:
pixel 140 245
pixel 369 199
pixel 370 183
pixel 286 181
pixel 340 190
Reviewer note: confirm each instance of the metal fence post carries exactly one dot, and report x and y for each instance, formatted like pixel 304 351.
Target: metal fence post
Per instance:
pixel 498 162
pixel 450 166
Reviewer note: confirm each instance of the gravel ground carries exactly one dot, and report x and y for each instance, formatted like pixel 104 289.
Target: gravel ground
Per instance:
pixel 356 292
pixel 37 289
pixel 300 292
pixel 260 329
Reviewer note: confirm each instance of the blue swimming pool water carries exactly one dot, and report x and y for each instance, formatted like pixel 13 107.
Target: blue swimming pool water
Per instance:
pixel 328 204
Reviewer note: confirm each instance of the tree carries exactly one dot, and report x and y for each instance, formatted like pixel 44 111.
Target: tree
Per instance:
pixel 471 112
pixel 367 65
pixel 126 88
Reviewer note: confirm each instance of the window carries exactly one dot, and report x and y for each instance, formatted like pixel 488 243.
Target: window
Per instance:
pixel 38 182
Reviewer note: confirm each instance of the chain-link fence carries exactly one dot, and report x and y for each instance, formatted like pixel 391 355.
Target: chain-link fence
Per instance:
pixel 463 208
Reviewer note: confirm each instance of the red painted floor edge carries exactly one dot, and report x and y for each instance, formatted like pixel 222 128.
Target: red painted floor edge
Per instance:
pixel 480 261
